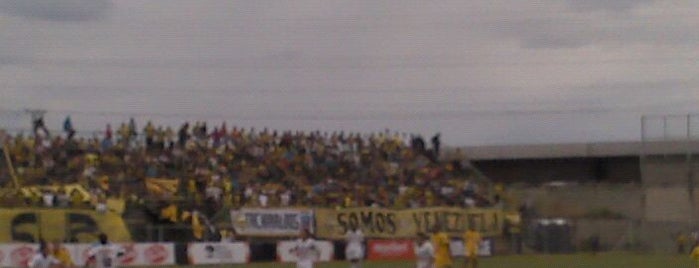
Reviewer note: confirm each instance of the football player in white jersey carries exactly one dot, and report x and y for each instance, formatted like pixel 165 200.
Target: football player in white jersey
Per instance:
pixel 43 259
pixel 354 251
pixel 424 251
pixel 104 254
pixel 305 250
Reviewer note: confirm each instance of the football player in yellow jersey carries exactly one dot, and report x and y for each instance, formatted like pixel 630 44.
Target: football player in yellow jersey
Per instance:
pixel 472 239
pixel 442 255
pixel 695 254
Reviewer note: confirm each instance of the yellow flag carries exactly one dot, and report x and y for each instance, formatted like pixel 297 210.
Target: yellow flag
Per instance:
pixel 197 228
pixel 162 186
pixel 169 213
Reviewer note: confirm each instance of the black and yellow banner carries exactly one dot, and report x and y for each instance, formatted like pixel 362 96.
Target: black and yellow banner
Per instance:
pixel 71 189
pixel 389 223
pixel 456 221
pixel 26 225
pixel 374 222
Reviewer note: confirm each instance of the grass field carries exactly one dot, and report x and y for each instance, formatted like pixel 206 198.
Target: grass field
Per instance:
pixel 607 260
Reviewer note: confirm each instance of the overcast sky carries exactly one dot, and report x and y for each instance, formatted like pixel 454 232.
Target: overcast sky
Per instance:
pixel 480 72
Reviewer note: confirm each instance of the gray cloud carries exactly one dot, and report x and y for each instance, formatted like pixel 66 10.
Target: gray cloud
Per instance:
pixel 476 70
pixel 57 10
pixel 572 32
pixel 11 60
pixel 550 32
pixel 606 5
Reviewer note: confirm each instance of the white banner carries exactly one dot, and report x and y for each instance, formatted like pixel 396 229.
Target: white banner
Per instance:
pixel 485 248
pixel 140 254
pixel 325 248
pixel 218 253
pixel 148 254
pixel 271 222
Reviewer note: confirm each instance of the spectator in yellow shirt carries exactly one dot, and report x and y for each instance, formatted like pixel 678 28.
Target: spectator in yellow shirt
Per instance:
pixel 442 255
pixel 472 240
pixel 76 199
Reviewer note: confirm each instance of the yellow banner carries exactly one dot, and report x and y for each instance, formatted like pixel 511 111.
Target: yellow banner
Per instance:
pixel 378 223
pixel 389 223
pixel 60 224
pixel 37 191
pixel 456 221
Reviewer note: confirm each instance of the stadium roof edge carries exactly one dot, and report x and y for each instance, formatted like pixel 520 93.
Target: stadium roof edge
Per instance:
pixel 572 150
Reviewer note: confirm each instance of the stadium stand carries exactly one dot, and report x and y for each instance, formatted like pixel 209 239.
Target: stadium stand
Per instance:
pixel 193 175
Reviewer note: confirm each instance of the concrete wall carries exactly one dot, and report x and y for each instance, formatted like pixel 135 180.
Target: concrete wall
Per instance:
pixel 659 236
pixel 655 212
pixel 582 150
pixel 612 233
pixel 535 171
pixel 668 204
pixel 668 210
pixel 665 171
pixel 577 200
pixel 655 236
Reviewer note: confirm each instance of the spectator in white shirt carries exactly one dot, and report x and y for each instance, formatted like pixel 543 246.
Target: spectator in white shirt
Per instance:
pixel 62 199
pixel 101 206
pixel 264 199
pixel 285 198
pixel 214 192
pixel 48 197
pixel 469 202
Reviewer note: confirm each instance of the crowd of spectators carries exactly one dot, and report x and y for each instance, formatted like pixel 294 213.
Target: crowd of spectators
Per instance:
pixel 235 167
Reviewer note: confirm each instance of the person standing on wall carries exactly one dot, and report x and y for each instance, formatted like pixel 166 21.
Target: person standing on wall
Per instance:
pixel 436 145
pixel 68 128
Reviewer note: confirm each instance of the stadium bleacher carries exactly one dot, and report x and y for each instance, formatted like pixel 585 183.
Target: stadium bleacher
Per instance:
pixel 171 174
